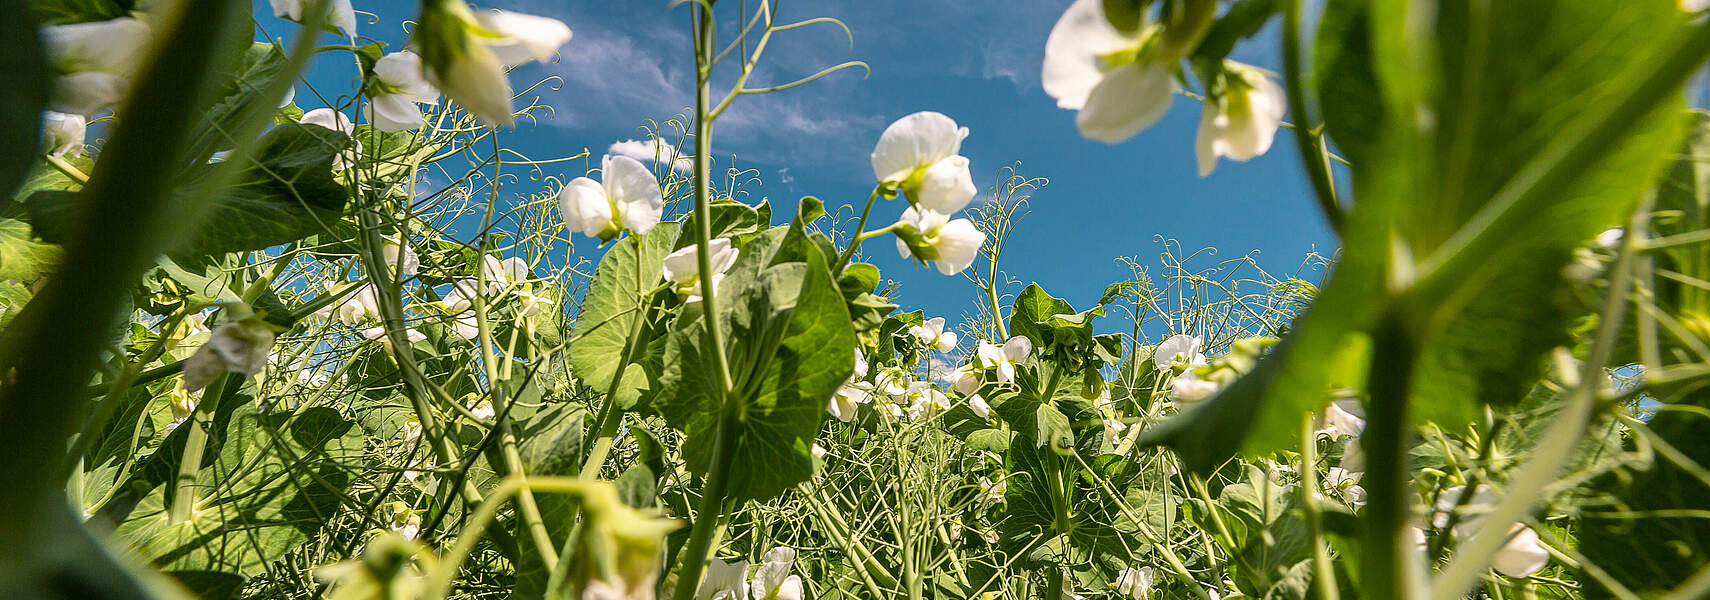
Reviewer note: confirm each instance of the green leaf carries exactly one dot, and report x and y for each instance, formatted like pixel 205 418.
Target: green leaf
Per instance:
pixel 1032 307
pixel 276 482
pixel 1345 79
pixel 256 69
pixel 23 259
pixel 1241 21
pixel 615 304
pixel 24 96
pixel 1486 311
pixel 62 12
pixel 791 346
pixel 288 194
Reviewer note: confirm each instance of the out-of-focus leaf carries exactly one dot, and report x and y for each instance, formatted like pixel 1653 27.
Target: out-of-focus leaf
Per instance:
pixel 288 194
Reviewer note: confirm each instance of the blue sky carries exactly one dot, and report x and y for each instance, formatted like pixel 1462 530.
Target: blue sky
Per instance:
pixel 631 60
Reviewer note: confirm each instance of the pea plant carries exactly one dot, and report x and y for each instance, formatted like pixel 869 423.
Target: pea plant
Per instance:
pixel 267 339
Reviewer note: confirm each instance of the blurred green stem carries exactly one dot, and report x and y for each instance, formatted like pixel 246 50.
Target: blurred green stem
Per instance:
pixel 1323 574
pixel 1391 564
pixel 195 443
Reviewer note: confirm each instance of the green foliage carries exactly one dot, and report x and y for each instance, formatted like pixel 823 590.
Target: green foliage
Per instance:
pixel 791 346
pixel 287 194
pixel 1470 243
pixel 617 307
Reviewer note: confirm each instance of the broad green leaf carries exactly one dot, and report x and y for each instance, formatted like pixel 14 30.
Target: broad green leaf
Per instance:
pixel 22 258
pixel 260 64
pixel 791 346
pixel 288 194
pixel 616 304
pixel 277 480
pixel 1033 306
pixel 1482 317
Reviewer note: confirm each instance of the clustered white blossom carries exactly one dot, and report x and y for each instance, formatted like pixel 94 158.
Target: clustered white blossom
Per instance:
pixel 1123 82
pixel 772 581
pixel 918 157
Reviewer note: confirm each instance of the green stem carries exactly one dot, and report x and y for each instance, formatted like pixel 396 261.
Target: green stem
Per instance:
pixel 1391 563
pixel 712 505
pixel 1323 574
pixel 694 557
pixel 860 224
pixel 195 444
pixel 1308 136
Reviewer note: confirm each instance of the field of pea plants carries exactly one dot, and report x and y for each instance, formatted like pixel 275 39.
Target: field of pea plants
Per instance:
pixel 258 343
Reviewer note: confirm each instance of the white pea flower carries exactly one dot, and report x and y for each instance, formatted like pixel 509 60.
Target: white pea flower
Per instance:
pixel 843 403
pixel 467 53
pixel 925 400
pixel 400 259
pixel 979 406
pixel 951 244
pixel 395 91
pixel 683 268
pixel 466 326
pixel 182 401
pixel 990 536
pixel 991 491
pixel 932 334
pixel 772 581
pixel 1134 583
pixel 358 308
pixel 1242 121
pixel 1069 588
pixel 1344 417
pixel 1005 358
pixel 1353 456
pixel 1347 484
pixel 627 197
pixel 461 297
pixel 403 521
pixel 342 17
pixel 1522 555
pixel 529 304
pixel 483 410
pixel 378 332
pixel 1189 387
pixel 1695 5
pixel 893 383
pixel 236 347
pixel 860 366
pixel 94 63
pixel 1113 430
pixel 1472 512
pixel 1182 348
pixel 62 133
pixel 1092 67
pixel 336 121
pixel 918 156
pixel 966 380
pixel 724 581
pixel 502 274
pixel 819 451
pixel 888 412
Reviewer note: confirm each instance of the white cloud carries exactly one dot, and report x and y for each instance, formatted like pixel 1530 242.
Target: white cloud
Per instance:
pixel 652 151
